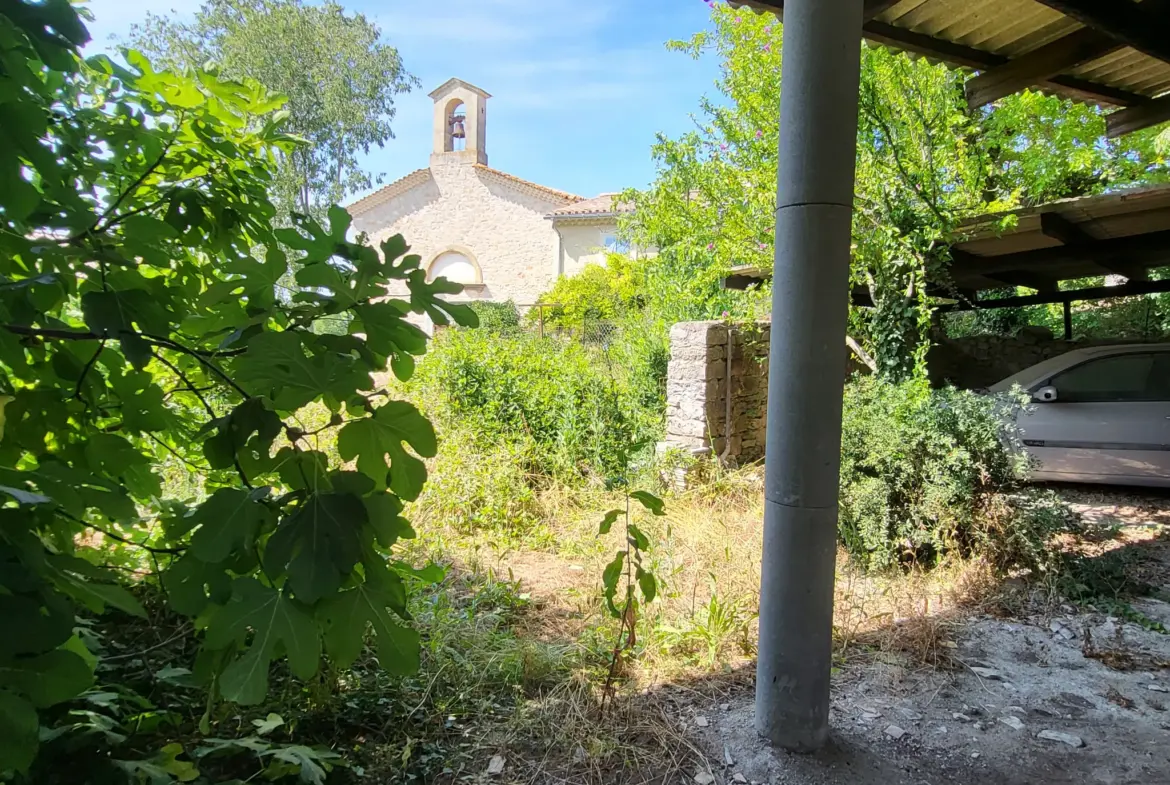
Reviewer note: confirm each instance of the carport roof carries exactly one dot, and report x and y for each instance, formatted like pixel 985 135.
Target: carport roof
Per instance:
pixel 1124 233
pixel 1114 53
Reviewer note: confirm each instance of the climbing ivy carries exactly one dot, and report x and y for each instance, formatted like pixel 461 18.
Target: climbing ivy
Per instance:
pixel 141 322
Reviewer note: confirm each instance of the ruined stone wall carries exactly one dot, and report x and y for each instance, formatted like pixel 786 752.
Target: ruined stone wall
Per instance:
pixel 697 386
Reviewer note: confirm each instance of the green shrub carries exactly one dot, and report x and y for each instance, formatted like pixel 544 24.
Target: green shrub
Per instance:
pixel 922 475
pixel 597 293
pixel 497 317
pixel 476 486
pixel 640 354
pixel 519 386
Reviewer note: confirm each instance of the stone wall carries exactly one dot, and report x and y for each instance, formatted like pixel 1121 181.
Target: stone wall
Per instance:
pixel 980 361
pixel 697 388
pixel 697 382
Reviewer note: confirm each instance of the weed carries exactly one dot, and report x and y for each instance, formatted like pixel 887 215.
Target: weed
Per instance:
pixel 709 636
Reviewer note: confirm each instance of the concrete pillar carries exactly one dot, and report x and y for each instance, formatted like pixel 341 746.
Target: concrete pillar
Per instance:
pixel 818 137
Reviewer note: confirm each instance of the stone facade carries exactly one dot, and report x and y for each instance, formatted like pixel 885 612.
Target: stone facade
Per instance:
pixel 698 386
pixel 498 225
pixel 498 232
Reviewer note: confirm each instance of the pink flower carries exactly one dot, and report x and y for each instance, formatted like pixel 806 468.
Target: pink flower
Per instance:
pixel 737 20
pixel 767 47
pixel 710 246
pixel 763 246
pixel 759 134
pixel 723 146
pixel 726 314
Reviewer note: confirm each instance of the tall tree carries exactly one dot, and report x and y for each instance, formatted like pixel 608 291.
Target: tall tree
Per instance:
pixel 924 163
pixel 338 73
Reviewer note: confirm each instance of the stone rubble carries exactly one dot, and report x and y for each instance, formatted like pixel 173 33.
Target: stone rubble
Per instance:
pixel 1012 722
pixel 1064 738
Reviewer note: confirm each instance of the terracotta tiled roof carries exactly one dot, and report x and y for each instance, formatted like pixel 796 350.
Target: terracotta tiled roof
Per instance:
pixel 518 181
pixel 598 206
pixel 399 186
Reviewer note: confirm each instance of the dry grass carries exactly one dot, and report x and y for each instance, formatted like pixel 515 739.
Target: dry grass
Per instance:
pixel 707 553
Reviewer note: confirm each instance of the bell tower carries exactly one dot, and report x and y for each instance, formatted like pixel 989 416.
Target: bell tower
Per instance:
pixel 460 123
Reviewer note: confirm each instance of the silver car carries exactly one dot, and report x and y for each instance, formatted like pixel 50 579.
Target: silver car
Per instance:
pixel 1100 414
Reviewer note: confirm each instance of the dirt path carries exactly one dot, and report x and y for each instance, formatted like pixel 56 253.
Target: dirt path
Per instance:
pixel 1096 686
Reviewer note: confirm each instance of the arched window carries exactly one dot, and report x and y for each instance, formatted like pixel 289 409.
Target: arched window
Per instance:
pixel 458 266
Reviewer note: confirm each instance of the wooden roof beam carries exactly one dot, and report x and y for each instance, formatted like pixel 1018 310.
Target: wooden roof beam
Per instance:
pixel 1136 117
pixel 1142 251
pixel 1058 227
pixel 1143 26
pixel 970 57
pixel 1068 295
pixel 1063 54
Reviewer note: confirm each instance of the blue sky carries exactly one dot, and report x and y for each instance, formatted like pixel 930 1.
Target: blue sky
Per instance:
pixel 579 89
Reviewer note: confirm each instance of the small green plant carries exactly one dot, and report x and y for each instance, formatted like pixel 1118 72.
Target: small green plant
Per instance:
pixel 598 292
pixel 1106 584
pixel 721 625
pixel 628 563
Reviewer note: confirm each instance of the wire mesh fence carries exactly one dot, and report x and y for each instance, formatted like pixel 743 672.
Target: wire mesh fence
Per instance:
pixel 547 321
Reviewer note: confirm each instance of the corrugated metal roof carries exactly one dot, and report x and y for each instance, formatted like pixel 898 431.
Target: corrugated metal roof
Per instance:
pixel 981 34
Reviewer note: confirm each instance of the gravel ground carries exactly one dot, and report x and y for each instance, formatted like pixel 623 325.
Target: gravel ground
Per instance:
pixel 1070 698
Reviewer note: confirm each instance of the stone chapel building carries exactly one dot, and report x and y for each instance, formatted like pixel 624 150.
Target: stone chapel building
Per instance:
pixel 502 237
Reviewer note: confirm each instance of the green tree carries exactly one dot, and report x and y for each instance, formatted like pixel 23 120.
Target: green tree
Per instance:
pixel 139 324
pixel 338 74
pixel 924 163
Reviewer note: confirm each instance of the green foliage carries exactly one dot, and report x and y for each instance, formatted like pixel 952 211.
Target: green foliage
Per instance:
pixel 139 321
pixel 483 483
pixel 338 74
pixel 720 628
pixel 597 293
pixel 553 393
pixel 925 162
pixel 922 473
pixel 497 317
pixel 631 559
